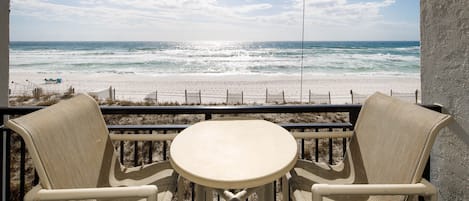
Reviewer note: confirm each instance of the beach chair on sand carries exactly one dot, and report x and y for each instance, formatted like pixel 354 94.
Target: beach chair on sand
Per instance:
pixel 194 98
pixel 358 98
pixel 75 159
pixel 406 96
pixel 234 98
pixel 385 160
pixel 277 98
pixel 319 98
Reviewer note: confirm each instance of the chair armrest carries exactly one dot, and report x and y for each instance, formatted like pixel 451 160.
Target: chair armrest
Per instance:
pixel 159 172
pixel 142 137
pixel 320 135
pixel 424 188
pixel 150 192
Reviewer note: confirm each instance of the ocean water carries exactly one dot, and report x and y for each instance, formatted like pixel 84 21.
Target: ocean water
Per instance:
pixel 160 58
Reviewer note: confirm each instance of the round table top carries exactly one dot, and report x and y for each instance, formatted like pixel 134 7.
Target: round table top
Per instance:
pixel 233 154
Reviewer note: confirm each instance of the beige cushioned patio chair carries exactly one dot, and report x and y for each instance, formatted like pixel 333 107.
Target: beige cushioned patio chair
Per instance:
pixel 75 159
pixel 387 154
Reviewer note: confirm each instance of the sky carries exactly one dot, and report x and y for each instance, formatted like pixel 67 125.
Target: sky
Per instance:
pixel 213 20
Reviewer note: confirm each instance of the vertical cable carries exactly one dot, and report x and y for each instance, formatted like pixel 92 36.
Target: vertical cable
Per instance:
pixel 302 52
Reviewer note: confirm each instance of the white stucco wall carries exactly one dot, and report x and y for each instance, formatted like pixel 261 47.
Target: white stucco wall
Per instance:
pixel 445 80
pixel 4 58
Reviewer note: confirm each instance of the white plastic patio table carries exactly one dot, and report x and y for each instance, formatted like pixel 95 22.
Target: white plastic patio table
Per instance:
pixel 234 154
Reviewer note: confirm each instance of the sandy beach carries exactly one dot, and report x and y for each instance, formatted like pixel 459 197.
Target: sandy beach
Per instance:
pixel 134 87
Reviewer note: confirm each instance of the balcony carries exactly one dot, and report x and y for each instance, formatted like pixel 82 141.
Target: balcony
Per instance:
pixel 18 175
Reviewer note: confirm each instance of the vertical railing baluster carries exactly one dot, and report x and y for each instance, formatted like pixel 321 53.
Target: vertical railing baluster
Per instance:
pixel 330 149
pixel 22 167
pixel 165 146
pixel 344 144
pixel 150 150
pixel 122 152
pixel 302 146
pixel 192 185
pixel 275 190
pixel 135 153
pixel 316 149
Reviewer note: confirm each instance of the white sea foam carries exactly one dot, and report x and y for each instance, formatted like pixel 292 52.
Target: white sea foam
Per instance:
pixel 395 59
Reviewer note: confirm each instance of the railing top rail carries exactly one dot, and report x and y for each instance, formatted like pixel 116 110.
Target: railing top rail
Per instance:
pixel 229 109
pixel 183 126
pixel 19 110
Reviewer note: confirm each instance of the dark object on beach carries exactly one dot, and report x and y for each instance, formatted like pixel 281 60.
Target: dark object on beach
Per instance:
pixel 53 81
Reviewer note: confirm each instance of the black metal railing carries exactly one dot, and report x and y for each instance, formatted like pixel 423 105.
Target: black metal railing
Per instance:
pixel 15 188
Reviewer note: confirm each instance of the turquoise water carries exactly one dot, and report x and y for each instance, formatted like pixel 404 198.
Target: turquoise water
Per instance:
pixel 371 57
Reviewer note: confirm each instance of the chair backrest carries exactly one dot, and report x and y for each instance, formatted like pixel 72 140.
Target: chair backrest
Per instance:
pixel 319 98
pixel 394 139
pixel 68 142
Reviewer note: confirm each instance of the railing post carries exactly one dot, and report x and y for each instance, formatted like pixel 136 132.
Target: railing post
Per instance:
pixel 165 147
pixel 331 152
pixel 6 145
pixel 353 116
pixel 2 164
pixel 4 93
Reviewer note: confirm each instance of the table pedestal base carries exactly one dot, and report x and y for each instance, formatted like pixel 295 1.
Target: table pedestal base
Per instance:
pixel 264 193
